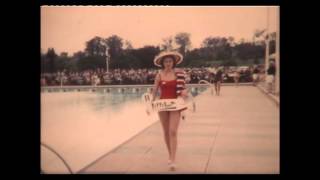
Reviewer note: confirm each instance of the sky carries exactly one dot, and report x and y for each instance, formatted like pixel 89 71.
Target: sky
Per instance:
pixel 68 28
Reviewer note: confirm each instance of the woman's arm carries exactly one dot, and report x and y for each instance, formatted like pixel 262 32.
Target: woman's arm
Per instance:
pixel 155 86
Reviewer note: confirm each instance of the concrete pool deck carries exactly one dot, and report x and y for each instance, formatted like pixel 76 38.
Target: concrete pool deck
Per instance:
pixel 234 133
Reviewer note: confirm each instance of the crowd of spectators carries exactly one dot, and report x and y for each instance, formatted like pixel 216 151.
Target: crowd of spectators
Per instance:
pixel 143 76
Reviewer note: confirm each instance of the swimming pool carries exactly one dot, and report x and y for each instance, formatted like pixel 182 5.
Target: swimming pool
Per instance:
pixel 83 123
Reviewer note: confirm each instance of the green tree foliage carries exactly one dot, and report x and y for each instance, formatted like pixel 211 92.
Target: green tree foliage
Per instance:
pixel 114 43
pixel 213 51
pixel 183 41
pixel 167 44
pixel 91 62
pixel 246 51
pixel 96 47
pixel 51 57
pixel 144 56
pixel 217 48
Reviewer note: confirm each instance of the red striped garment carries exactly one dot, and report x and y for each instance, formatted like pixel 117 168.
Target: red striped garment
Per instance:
pixel 181 81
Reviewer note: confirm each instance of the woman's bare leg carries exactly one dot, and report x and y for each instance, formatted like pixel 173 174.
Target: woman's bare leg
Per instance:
pixel 174 119
pixel 164 119
pixel 218 87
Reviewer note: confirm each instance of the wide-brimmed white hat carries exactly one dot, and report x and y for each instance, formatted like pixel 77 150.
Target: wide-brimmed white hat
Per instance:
pixel 177 57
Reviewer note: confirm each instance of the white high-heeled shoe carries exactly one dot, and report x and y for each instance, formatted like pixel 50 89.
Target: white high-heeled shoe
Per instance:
pixel 172 166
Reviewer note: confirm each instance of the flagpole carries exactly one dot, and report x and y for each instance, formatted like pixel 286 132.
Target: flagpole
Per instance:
pixel 107 59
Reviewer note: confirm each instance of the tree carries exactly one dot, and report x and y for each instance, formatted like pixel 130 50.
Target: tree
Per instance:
pixel 72 64
pixel 43 61
pixel 241 41
pixel 217 48
pixel 78 55
pixel 127 60
pixel 145 56
pixel 167 44
pixel 231 41
pixel 192 57
pixel 247 50
pixel 257 34
pixel 183 40
pixel 51 56
pixel 256 61
pixel 128 45
pixel 213 50
pixel 96 47
pixel 208 46
pixel 210 42
pixel 63 62
pixel 230 63
pixel 91 62
pixel 114 43
pixel 63 54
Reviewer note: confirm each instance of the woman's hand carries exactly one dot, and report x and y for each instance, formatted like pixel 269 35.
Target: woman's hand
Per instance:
pixel 148 112
pixel 184 93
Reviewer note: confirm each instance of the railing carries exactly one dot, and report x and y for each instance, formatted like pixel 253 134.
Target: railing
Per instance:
pixel 208 83
pixel 109 87
pixel 58 155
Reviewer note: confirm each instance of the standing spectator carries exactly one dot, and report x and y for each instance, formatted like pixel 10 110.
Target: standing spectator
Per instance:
pixel 270 76
pixel 236 77
pixel 247 75
pixel 217 81
pixel 255 74
pixel 193 78
pixel 211 77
